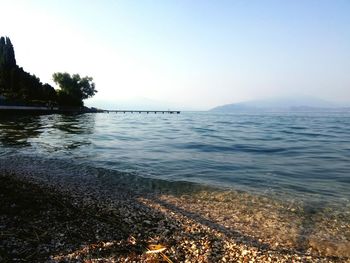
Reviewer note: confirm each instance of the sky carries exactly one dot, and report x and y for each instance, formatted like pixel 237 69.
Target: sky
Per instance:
pixel 187 54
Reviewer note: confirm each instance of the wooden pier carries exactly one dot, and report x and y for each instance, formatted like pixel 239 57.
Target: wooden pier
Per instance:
pixel 143 111
pixel 52 110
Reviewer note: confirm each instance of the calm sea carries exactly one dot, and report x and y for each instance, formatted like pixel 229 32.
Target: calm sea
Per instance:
pixel 302 156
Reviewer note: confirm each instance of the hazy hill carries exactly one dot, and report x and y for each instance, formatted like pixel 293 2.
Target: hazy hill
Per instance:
pixel 279 104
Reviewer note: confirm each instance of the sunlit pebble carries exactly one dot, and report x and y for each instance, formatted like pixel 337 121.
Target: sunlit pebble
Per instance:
pixel 230 247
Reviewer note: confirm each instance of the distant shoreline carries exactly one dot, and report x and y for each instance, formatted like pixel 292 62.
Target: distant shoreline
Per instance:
pixel 53 110
pixel 45 110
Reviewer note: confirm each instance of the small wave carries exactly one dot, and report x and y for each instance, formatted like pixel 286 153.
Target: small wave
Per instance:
pixel 233 148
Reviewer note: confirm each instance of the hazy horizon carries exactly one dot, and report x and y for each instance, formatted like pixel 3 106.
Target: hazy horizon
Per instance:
pixel 187 54
pixel 142 103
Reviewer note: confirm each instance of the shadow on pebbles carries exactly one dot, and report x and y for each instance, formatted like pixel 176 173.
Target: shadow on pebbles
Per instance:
pixel 55 221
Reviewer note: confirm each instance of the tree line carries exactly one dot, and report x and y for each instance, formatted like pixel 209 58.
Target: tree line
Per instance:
pixel 19 86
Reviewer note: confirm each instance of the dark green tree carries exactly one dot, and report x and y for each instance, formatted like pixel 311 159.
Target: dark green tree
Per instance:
pixel 7 53
pixel 2 48
pixel 18 85
pixel 74 89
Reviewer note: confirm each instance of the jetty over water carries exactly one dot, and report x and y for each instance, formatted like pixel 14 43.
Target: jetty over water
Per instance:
pixel 143 111
pixel 51 110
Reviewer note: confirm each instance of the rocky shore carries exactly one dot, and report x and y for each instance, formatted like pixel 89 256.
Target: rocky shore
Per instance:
pixel 45 218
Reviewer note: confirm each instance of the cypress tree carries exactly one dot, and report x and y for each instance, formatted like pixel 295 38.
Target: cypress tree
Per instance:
pixel 2 48
pixel 7 53
pixel 17 84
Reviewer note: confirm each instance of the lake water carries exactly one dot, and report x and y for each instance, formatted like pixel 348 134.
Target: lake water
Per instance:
pixel 304 156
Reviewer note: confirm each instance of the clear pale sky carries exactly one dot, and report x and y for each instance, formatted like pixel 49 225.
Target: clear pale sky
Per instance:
pixel 190 54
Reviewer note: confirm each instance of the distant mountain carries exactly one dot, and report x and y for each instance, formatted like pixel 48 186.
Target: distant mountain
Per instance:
pixel 279 104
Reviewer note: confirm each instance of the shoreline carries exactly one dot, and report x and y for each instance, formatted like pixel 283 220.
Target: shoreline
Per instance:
pixel 43 110
pixel 92 219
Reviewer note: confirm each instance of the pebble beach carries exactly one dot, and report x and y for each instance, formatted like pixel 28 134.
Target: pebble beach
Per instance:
pixel 50 218
pixel 175 131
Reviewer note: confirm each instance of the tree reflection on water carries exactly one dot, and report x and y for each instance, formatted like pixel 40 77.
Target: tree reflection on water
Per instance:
pixel 52 132
pixel 18 130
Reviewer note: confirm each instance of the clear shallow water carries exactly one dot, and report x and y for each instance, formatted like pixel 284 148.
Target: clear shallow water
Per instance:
pixel 302 156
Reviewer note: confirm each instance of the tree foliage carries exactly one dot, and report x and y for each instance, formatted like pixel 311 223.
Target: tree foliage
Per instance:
pixel 18 85
pixel 74 89
pixel 7 53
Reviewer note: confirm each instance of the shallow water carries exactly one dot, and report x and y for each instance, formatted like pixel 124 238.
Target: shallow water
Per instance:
pixel 297 156
pixel 282 178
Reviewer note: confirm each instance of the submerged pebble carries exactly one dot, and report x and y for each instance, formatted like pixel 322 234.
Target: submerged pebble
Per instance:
pixel 88 220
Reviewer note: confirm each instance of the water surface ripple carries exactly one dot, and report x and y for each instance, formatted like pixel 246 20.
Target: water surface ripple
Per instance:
pixel 295 155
